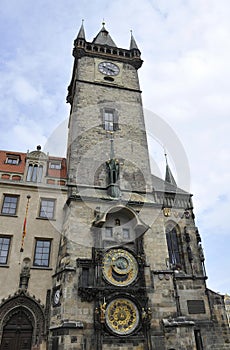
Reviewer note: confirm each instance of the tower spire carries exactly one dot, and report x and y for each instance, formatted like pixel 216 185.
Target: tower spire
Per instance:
pixel 103 37
pixel 168 174
pixel 81 33
pixel 133 44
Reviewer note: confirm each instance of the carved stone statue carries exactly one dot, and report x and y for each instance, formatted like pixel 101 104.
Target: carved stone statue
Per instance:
pixel 113 168
pixel 25 274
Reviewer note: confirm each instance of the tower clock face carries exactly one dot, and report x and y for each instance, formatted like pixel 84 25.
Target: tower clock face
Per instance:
pixel 56 297
pixel 119 267
pixel 122 316
pixel 108 68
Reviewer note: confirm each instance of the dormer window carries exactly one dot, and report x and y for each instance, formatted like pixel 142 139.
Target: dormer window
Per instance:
pixel 55 165
pixel 12 159
pixel 34 173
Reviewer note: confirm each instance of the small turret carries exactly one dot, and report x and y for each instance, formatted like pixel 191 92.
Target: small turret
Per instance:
pixel 81 33
pixel 133 44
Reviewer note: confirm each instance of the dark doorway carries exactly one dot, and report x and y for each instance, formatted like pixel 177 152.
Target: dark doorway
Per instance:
pixel 17 334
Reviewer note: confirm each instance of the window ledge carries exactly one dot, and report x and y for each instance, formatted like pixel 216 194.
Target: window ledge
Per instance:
pixel 46 219
pixel 3 265
pixel 11 215
pixel 41 268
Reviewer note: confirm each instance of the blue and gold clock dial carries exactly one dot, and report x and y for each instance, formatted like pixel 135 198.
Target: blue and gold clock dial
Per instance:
pixel 119 267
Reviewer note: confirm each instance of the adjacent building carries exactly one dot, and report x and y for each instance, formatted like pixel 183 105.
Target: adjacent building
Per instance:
pixel 96 253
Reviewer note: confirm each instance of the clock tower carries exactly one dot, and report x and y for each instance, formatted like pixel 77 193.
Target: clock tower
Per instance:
pixel 129 246
pixel 105 100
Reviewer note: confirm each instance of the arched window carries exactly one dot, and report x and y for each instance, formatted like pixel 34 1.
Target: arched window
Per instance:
pixel 173 245
pixel 34 173
pixel 39 174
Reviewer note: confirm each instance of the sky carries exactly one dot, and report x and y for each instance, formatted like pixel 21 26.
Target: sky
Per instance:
pixel 185 79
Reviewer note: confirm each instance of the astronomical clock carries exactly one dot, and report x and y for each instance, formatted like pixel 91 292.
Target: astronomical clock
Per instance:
pixel 119 267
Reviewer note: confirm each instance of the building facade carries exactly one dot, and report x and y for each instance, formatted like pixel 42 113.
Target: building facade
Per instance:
pixel 99 253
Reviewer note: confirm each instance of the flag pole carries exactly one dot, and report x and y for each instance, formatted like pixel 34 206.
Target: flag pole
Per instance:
pixel 24 224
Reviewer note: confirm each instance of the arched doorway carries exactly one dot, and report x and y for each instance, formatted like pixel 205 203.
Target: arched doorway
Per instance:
pixel 18 332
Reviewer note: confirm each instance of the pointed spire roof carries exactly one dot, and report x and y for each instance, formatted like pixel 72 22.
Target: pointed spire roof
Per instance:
pixel 168 174
pixel 103 37
pixel 81 33
pixel 133 44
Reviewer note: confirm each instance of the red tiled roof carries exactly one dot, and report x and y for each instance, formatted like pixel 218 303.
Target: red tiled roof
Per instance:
pixel 20 167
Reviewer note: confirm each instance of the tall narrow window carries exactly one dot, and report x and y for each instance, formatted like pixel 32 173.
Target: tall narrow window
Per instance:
pixel 173 245
pixel 47 208
pixel 42 253
pixel 9 206
pixel 39 175
pixel 4 249
pixel 29 172
pixel 34 173
pixel 85 276
pixel 110 121
pixel 198 339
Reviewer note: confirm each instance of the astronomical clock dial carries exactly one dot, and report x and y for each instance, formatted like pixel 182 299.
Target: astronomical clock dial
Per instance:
pixel 119 267
pixel 108 68
pixel 122 316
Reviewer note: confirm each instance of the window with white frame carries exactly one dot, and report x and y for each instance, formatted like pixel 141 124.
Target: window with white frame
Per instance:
pixel 34 173
pixel 9 206
pixel 55 165
pixel 110 120
pixel 42 252
pixel 4 249
pixel 12 159
pixel 47 207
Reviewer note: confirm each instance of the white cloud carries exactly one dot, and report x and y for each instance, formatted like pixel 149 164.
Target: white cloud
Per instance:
pixel 23 91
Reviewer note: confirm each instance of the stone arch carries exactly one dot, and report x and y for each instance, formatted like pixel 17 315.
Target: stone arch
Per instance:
pixel 22 302
pixel 118 224
pixel 137 223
